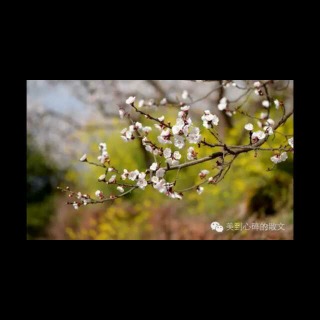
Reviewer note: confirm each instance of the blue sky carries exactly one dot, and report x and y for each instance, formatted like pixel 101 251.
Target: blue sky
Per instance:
pixel 58 97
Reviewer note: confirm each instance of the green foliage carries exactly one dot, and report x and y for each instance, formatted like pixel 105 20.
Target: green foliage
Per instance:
pixel 42 178
pixel 248 178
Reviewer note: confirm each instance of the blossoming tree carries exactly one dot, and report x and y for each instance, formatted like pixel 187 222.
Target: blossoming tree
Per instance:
pixel 181 140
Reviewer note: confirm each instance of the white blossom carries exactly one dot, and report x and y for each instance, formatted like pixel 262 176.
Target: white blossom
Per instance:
pixel 192 155
pixel 284 157
pixel 131 100
pixel 276 159
pixel 176 130
pixel 126 134
pixel 277 103
pixel 209 120
pixel 133 175
pixel 138 126
pixel 188 123
pixel 113 179
pixel 122 113
pixel 172 162
pixel 162 140
pixel 180 123
pixel 102 178
pixel 141 103
pixel 185 108
pixel 185 95
pixel 99 194
pixel 177 155
pixel 176 195
pixel 211 180
pixel 103 147
pixel 164 137
pixel 279 158
pixel 223 104
pixel 266 103
pixel 257 84
pixel 125 174
pixel 269 127
pixel 200 190
pixel 76 206
pixel 249 127
pixel 154 167
pixel 207 116
pixel 83 158
pixel 163 101
pixel 167 153
pixel 120 189
pixel 181 114
pixel 149 148
pixel 160 173
pixel 270 122
pixel 160 186
pixel 203 174
pixel 186 131
pixel 268 130
pixel 178 127
pixel 155 180
pixel 260 135
pixel 141 175
pixel 86 199
pixel 146 130
pixel 290 141
pixel 194 136
pixel 104 157
pixel 179 142
pixel 142 183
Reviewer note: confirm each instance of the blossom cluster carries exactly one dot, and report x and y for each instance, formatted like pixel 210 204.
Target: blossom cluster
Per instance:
pixel 168 150
pixel 183 131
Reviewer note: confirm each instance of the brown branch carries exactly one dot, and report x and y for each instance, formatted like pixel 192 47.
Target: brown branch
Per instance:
pixel 150 117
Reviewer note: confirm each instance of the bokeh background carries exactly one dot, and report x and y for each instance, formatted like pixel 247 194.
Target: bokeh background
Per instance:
pixel 67 118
